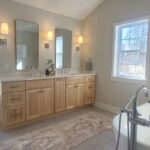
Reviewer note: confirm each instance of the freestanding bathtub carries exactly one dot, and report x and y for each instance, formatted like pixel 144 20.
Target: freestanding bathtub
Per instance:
pixel 143 133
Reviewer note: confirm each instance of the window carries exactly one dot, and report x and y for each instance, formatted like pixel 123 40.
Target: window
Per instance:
pixel 21 55
pixel 59 52
pixel 130 55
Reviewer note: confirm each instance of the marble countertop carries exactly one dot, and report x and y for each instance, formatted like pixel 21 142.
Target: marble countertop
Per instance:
pixel 13 77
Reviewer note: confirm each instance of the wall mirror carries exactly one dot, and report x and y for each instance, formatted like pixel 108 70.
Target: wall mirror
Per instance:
pixel 63 48
pixel 27 45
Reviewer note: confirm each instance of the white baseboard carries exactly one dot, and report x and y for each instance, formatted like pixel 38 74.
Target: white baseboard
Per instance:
pixel 107 107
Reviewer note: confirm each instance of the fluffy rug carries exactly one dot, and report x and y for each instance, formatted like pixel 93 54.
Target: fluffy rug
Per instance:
pixel 62 136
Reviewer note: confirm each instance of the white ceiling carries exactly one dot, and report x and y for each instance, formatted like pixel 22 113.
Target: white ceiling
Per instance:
pixel 78 9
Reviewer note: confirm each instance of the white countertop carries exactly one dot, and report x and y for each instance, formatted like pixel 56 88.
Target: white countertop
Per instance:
pixel 13 77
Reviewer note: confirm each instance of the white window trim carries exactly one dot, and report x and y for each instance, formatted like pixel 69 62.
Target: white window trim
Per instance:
pixel 147 69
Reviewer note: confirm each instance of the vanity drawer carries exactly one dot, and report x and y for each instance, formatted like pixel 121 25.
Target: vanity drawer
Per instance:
pixel 14 115
pixel 90 78
pixel 13 99
pixel 90 86
pixel 75 80
pixel 39 84
pixel 13 86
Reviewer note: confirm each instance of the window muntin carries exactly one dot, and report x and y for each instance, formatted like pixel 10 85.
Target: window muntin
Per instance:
pixel 131 50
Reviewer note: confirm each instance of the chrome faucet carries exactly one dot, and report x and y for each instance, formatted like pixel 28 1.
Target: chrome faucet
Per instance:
pixel 29 71
pixel 134 117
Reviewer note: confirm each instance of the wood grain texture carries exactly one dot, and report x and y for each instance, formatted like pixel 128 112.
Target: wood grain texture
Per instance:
pixel 13 86
pixel 90 92
pixel 32 104
pixel 80 98
pixel 39 103
pixel 43 98
pixel 39 84
pixel 13 99
pixel 46 101
pixel 71 95
pixel 14 115
pixel 75 80
pixel 90 78
pixel 60 102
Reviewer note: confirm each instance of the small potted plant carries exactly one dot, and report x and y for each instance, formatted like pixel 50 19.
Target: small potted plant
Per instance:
pixel 50 67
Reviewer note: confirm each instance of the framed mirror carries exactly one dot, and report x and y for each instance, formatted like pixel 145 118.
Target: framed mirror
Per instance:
pixel 27 45
pixel 63 50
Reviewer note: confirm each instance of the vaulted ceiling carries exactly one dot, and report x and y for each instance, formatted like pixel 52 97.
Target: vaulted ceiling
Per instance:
pixel 78 9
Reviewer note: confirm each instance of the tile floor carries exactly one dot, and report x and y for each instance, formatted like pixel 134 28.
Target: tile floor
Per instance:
pixel 104 141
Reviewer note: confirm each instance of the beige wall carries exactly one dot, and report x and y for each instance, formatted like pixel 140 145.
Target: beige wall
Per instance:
pixel 9 11
pixel 98 36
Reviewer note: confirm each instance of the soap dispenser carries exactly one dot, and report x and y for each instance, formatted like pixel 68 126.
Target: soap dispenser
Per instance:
pixel 88 65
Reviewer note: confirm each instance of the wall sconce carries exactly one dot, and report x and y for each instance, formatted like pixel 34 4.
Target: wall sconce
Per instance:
pixel 3 34
pixel 49 38
pixel 79 42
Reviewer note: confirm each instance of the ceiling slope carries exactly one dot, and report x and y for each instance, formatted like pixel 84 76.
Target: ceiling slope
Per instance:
pixel 78 9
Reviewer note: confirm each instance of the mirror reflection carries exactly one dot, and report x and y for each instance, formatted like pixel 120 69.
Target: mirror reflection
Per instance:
pixel 27 45
pixel 63 48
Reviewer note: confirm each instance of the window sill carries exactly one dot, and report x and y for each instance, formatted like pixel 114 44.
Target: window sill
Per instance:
pixel 130 80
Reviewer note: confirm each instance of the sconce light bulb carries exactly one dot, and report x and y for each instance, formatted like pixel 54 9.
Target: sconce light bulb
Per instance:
pixel 50 35
pixel 4 28
pixel 80 40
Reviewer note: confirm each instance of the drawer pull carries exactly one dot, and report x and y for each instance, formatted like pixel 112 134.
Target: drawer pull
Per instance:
pixel 12 87
pixel 90 87
pixel 41 91
pixel 76 86
pixel 15 99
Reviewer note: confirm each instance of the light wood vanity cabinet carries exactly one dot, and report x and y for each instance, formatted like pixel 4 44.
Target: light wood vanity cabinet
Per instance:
pixel 40 100
pixel 8 87
pixel 75 95
pixel 90 89
pixel 47 102
pixel 24 101
pixel 75 92
pixel 13 102
pixel 14 115
pixel 14 99
pixel 60 102
pixel 32 104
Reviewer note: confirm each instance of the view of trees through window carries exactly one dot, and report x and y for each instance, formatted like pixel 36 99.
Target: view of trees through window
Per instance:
pixel 132 48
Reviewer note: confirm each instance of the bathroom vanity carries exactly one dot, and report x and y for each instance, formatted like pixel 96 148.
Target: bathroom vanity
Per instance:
pixel 26 100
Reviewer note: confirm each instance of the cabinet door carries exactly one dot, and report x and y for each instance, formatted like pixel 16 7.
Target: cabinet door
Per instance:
pixel 46 101
pixel 14 115
pixel 90 93
pixel 60 95
pixel 71 96
pixel 32 104
pixel 80 95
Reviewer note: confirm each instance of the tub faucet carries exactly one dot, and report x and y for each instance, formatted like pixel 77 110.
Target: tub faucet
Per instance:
pixel 134 117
